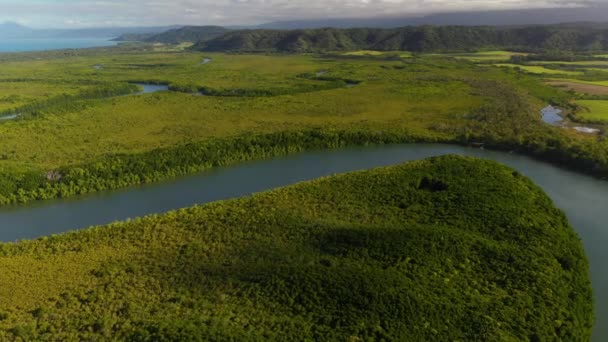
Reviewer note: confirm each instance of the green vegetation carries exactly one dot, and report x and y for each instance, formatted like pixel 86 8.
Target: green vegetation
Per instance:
pixel 17 93
pixel 384 54
pixel 558 39
pixel 488 56
pixel 595 111
pixel 596 83
pixel 449 248
pixel 539 69
pixel 259 106
pixel 597 63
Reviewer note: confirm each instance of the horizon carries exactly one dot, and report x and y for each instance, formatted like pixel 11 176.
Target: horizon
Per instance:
pixel 78 14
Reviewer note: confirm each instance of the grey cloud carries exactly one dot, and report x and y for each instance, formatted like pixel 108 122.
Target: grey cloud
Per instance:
pixel 235 12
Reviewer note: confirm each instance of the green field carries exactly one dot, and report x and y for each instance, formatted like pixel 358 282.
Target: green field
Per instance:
pixel 597 110
pixel 446 249
pixel 540 70
pixel 596 83
pixel 483 56
pixel 373 53
pixel 577 63
pixel 488 56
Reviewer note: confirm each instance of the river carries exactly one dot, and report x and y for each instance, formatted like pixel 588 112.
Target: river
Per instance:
pixel 583 198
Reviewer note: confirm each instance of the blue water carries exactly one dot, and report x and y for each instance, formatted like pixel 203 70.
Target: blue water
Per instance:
pixel 152 88
pixel 43 44
pixel 551 115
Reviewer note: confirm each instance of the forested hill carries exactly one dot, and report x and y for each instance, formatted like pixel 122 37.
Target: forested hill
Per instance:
pixel 579 37
pixel 187 34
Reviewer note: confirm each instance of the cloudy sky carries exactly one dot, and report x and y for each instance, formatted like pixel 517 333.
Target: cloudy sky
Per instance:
pixel 88 13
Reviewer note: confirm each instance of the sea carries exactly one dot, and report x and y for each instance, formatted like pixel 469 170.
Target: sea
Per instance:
pixel 44 44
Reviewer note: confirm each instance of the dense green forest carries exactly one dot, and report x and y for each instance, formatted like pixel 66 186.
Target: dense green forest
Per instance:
pixel 448 249
pixel 186 34
pixel 556 38
pixel 80 138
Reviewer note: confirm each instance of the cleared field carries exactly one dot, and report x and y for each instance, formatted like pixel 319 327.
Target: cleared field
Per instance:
pixel 533 69
pixel 487 56
pixel 598 110
pixel 595 83
pixel 580 87
pixel 583 63
pixel 402 54
pixel 365 53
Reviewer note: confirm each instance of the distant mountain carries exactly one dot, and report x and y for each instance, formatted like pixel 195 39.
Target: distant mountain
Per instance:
pixel 11 29
pixel 134 37
pixel 14 30
pixel 111 32
pixel 597 13
pixel 187 34
pixel 580 37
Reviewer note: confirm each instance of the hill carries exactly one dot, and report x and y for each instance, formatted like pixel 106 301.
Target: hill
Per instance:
pixel 187 34
pixel 444 249
pixel 579 37
pixel 12 29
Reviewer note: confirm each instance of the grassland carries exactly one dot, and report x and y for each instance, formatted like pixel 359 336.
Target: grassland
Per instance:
pixel 373 53
pixel 487 56
pixel 449 248
pixel 533 69
pixel 595 83
pixel 601 63
pixel 581 88
pixel 596 110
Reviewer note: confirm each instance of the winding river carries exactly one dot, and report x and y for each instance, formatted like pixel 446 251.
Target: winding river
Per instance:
pixel 151 88
pixel 583 198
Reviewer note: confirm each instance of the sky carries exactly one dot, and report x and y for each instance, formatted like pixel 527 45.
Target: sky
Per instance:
pixel 106 13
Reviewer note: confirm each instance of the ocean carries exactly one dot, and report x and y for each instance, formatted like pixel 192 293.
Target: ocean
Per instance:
pixel 43 44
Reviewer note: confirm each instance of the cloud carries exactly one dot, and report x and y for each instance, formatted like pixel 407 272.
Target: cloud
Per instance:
pixel 234 12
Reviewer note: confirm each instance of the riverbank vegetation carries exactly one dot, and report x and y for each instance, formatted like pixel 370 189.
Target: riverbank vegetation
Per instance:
pixel 449 248
pixel 230 108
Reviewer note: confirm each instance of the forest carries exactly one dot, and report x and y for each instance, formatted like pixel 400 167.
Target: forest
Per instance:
pixel 448 248
pixel 186 34
pixel 83 138
pixel 552 39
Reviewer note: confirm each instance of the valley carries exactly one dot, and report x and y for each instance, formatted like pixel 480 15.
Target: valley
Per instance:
pixel 141 131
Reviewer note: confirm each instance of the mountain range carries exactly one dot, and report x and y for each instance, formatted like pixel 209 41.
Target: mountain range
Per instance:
pixel 537 38
pixel 181 33
pixel 15 30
